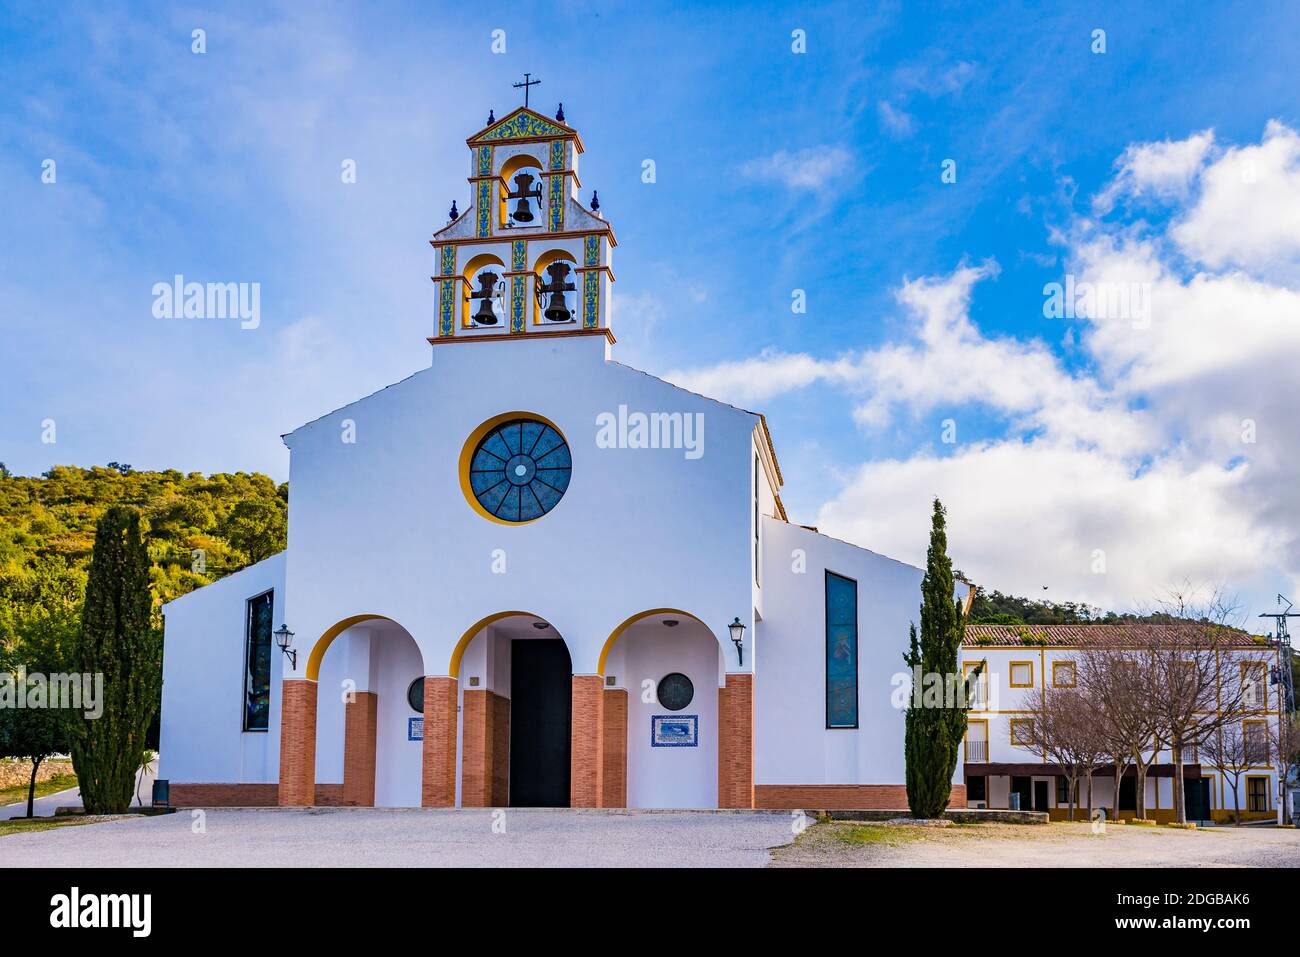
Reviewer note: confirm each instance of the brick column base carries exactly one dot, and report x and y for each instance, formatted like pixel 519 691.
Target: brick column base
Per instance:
pixel 360 724
pixel 438 783
pixel 586 742
pixel 736 741
pixel 485 749
pixel 297 743
pixel 615 769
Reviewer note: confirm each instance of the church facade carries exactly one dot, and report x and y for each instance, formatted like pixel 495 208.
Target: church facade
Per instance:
pixel 529 575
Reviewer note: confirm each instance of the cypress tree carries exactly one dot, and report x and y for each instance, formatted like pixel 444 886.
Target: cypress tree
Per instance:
pixel 118 640
pixel 934 730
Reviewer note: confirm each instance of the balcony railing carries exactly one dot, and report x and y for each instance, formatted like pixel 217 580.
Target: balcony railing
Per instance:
pixel 977 752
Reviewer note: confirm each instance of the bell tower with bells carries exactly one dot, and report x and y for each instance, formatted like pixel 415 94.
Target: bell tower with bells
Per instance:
pixel 525 257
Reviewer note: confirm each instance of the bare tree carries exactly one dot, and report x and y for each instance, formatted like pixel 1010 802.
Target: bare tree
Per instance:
pixel 1064 734
pixel 1228 752
pixel 1120 686
pixel 1203 682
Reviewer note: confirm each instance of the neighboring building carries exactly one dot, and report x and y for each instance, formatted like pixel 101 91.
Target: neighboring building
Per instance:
pixel 513 576
pixel 1023 661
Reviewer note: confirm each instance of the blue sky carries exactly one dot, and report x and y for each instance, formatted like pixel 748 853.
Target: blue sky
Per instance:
pixel 775 171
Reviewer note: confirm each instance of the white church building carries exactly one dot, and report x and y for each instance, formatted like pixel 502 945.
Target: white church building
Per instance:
pixel 529 575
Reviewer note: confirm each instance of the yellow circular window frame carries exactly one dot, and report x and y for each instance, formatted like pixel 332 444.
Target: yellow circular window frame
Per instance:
pixel 467 456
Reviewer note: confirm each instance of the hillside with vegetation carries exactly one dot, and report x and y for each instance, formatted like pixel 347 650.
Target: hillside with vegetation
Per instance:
pixel 199 528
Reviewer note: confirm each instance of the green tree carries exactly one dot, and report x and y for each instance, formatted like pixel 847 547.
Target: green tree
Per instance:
pixel 257 528
pixel 37 647
pixel 119 640
pixel 934 729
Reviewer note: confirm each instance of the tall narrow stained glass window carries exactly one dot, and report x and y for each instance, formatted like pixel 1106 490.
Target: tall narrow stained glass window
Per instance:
pixel 841 652
pixel 257 663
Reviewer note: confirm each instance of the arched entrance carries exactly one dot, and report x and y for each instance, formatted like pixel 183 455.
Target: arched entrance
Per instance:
pixel 349 730
pixel 516 676
pixel 662 716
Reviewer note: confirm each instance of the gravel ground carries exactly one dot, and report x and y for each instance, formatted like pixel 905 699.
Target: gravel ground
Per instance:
pixel 365 837
pixel 1042 845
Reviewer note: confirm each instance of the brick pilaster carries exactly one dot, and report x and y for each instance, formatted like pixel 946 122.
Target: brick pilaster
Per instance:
pixel 438 782
pixel 477 740
pixel 485 749
pixel 586 741
pixel 297 743
pixel 736 741
pixel 360 724
pixel 499 769
pixel 615 766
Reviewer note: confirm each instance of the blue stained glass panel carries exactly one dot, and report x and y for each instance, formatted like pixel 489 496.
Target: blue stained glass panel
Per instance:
pixel 520 470
pixel 841 652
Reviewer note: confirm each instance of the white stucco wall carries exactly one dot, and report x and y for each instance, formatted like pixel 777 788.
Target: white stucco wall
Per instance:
pixel 793 744
pixel 201 741
pixel 381 526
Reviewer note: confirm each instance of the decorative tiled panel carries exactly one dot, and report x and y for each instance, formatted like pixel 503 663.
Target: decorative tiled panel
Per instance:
pixel 519 255
pixel 446 307
pixel 485 161
pixel 557 154
pixel 525 126
pixel 555 213
pixel 590 299
pixel 484 217
pixel 518 285
pixel 446 291
pixel 591 251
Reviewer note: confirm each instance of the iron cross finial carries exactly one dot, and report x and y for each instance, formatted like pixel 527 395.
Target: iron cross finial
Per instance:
pixel 528 81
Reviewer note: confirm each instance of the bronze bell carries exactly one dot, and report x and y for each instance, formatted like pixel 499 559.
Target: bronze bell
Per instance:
pixel 487 281
pixel 524 191
pixel 557 310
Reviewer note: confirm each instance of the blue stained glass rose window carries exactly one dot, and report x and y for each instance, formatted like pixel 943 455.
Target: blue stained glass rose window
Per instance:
pixel 520 470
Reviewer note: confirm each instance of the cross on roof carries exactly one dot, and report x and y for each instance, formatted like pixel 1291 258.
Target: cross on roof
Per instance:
pixel 526 84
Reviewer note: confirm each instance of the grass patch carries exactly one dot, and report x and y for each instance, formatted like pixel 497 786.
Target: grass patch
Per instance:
pixel 870 835
pixel 22 825
pixel 18 793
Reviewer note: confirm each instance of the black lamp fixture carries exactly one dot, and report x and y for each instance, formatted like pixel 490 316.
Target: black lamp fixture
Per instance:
pixel 738 638
pixel 284 638
pixel 671 622
pixel 541 625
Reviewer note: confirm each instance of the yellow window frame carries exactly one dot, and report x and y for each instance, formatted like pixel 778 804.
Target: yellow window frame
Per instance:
pixel 966 739
pixel 1011 728
pixel 1011 674
pixel 1245 725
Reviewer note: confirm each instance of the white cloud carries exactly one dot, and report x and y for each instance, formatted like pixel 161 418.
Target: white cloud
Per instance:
pixel 812 168
pixel 1162 170
pixel 765 376
pixel 1027 514
pixel 897 122
pixel 1164 452
pixel 1248 213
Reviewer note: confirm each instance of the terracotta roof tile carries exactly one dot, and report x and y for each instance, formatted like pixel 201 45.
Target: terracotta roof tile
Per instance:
pixel 1123 634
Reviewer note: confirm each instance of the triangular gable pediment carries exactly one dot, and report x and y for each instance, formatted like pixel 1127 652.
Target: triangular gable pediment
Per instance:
pixel 522 124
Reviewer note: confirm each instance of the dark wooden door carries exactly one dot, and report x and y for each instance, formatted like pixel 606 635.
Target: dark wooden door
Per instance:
pixel 1198 799
pixel 1040 795
pixel 541 689
pixel 1021 786
pixel 1128 793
